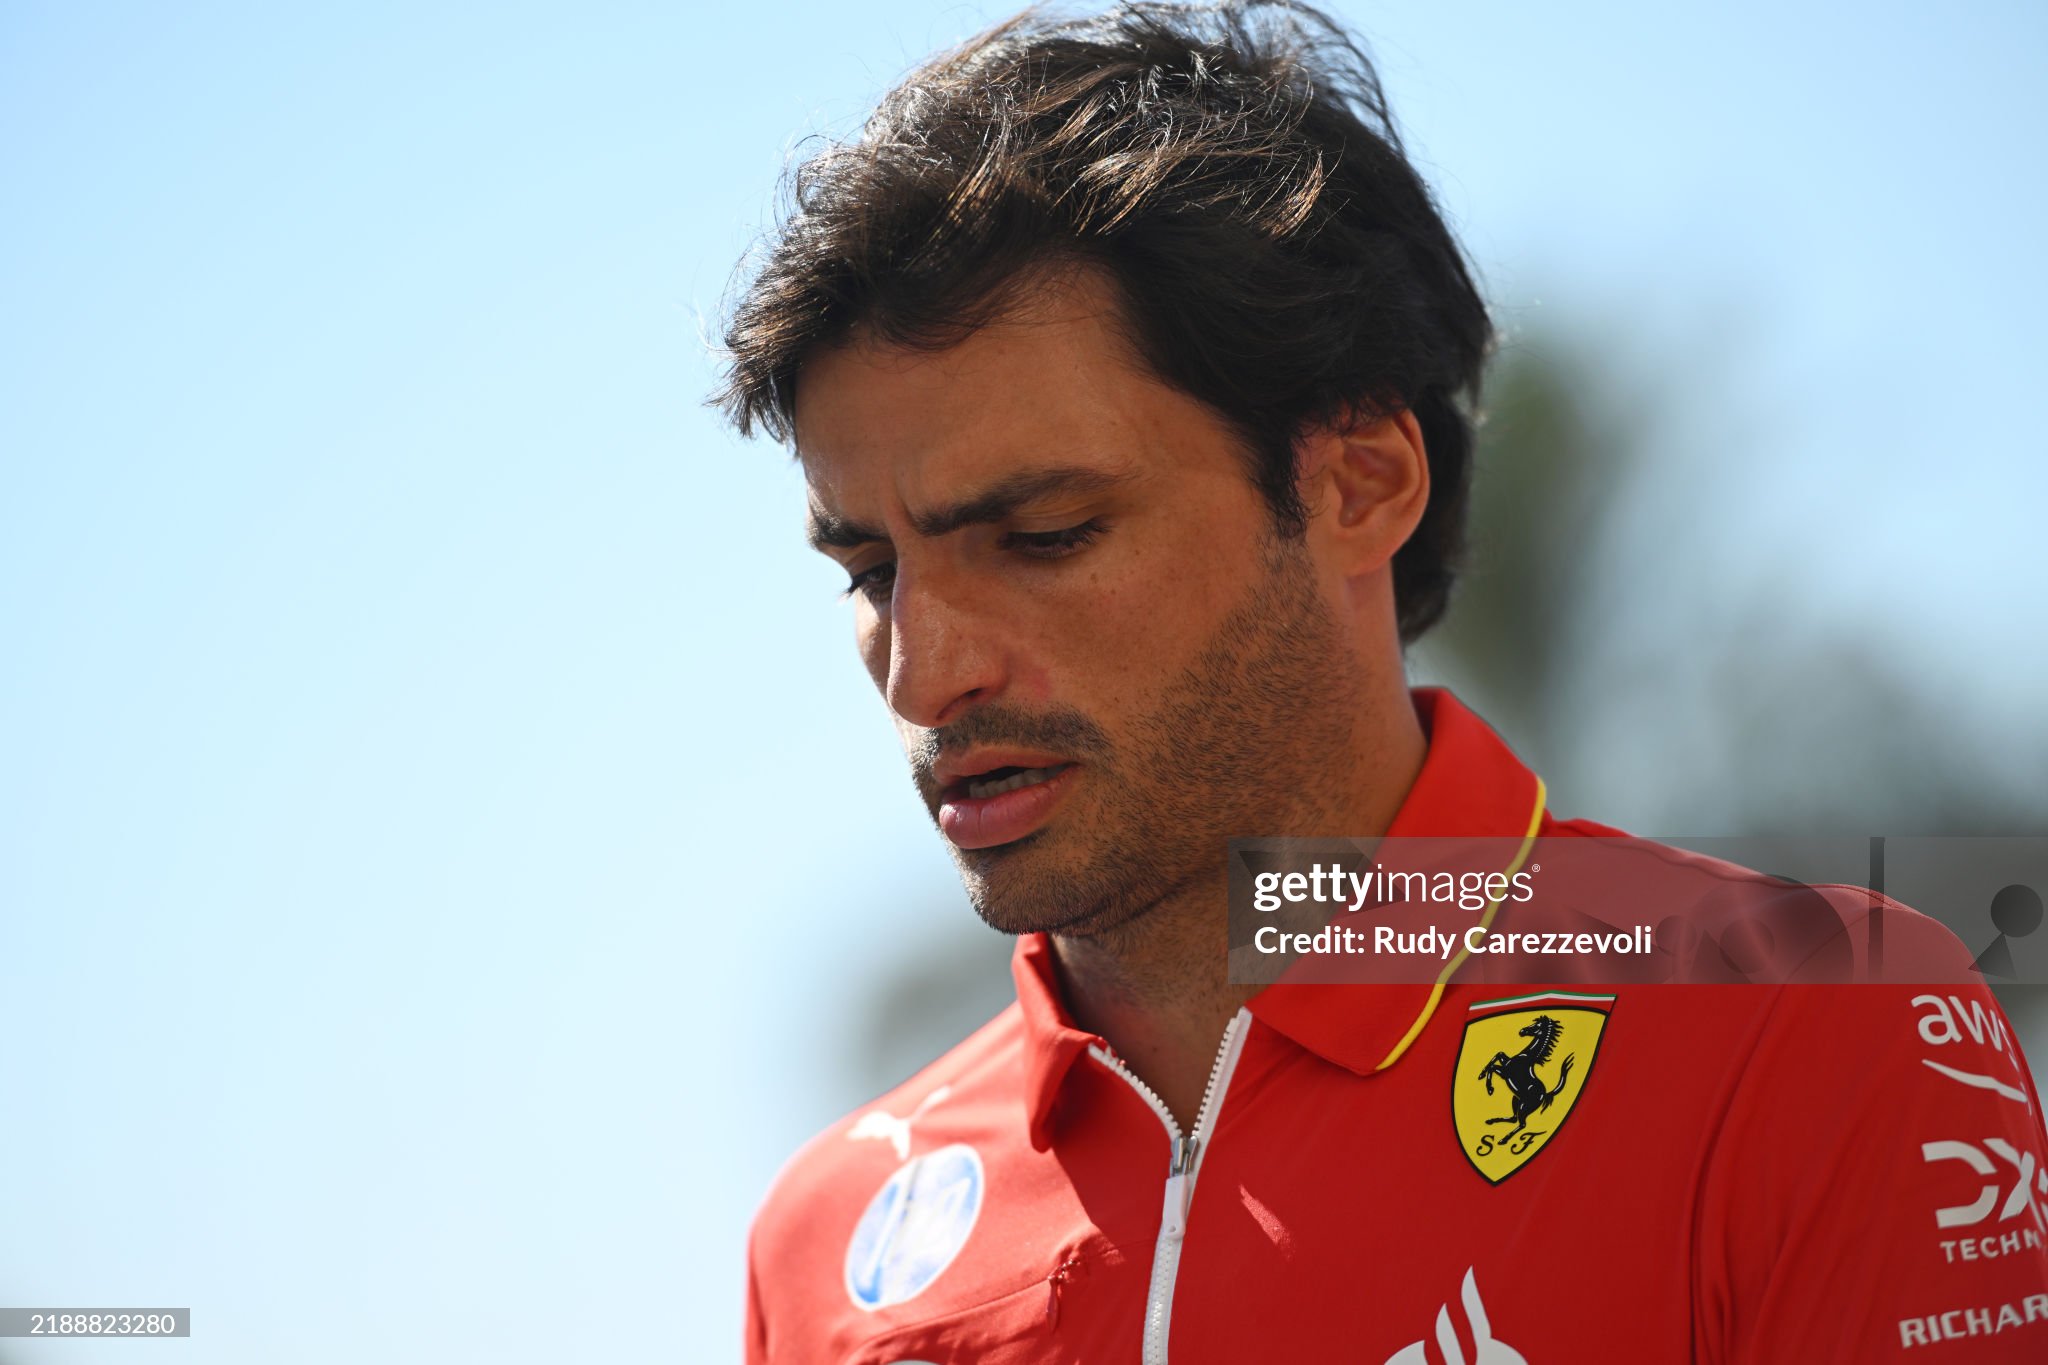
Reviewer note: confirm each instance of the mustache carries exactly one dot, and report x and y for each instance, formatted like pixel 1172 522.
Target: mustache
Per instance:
pixel 1059 729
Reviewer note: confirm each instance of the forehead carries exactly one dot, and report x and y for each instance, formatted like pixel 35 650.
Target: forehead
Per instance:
pixel 1053 381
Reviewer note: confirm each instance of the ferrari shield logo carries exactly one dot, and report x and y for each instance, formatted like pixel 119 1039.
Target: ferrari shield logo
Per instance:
pixel 1524 1064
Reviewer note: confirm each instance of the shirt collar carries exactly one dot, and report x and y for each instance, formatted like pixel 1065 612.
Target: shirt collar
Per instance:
pixel 1051 1038
pixel 1471 783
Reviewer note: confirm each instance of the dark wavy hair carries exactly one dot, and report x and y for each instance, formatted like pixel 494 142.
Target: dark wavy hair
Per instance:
pixel 1232 168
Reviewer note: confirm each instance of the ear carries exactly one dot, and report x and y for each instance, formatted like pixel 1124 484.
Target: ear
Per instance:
pixel 1365 481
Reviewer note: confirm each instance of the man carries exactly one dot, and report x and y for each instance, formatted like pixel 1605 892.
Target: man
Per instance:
pixel 1129 365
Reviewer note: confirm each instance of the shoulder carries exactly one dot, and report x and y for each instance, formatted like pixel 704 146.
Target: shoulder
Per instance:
pixel 1879 1146
pixel 967 1095
pixel 1719 918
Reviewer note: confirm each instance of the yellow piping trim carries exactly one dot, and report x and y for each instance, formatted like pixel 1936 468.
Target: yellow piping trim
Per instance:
pixel 1436 992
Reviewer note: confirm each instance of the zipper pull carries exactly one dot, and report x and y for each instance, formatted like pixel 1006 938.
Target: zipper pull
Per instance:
pixel 1054 1285
pixel 1180 1188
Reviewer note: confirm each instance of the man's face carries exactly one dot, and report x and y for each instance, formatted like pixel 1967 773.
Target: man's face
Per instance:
pixel 1102 661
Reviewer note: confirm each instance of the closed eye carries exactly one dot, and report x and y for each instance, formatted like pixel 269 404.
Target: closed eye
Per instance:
pixel 1053 544
pixel 874 582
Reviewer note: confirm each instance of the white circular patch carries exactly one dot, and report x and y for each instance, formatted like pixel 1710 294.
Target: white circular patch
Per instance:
pixel 914 1227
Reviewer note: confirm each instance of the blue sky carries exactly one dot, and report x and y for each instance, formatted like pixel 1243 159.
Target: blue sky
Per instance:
pixel 442 821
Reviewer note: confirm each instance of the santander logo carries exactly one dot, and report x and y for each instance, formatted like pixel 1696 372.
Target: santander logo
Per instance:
pixel 1486 1351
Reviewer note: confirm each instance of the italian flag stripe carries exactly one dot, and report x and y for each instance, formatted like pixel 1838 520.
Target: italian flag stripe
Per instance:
pixel 1565 997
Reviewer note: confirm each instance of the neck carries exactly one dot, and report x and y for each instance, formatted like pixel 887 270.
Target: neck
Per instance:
pixel 1156 988
pixel 1158 992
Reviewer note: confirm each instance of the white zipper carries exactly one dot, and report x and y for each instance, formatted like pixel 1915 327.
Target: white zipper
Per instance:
pixel 1184 1161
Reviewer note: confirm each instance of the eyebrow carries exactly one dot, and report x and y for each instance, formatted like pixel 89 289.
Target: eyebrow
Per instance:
pixel 997 502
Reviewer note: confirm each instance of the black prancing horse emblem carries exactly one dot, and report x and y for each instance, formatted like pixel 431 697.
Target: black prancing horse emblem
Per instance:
pixel 1528 1094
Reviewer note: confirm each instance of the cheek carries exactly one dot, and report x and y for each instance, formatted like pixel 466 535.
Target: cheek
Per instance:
pixel 1168 588
pixel 1118 633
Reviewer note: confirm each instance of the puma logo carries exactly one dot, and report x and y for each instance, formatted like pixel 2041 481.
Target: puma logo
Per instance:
pixel 880 1123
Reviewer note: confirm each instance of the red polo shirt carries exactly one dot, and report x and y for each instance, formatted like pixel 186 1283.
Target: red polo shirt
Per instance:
pixel 1400 1174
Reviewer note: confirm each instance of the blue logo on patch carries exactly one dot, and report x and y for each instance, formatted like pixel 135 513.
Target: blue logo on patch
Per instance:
pixel 914 1226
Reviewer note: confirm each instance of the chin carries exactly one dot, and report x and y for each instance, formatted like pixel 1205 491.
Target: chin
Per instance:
pixel 1012 889
pixel 1021 888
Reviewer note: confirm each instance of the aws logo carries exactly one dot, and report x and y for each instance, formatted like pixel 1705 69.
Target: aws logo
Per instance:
pixel 1951 1021
pixel 1524 1063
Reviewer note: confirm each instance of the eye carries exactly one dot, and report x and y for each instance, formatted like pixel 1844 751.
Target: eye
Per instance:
pixel 1054 544
pixel 870 582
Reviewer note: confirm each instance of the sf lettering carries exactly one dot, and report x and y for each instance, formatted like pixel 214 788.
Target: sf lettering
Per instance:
pixel 1515 1144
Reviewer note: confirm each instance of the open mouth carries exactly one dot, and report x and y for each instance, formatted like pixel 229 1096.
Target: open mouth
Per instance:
pixel 1003 804
pixel 996 781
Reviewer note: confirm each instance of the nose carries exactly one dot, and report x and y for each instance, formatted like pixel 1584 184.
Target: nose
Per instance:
pixel 942 655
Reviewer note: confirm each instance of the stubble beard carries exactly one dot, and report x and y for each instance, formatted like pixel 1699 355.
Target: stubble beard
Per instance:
pixel 1250 739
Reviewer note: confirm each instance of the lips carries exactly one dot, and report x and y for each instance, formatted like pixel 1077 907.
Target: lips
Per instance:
pixel 1003 802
